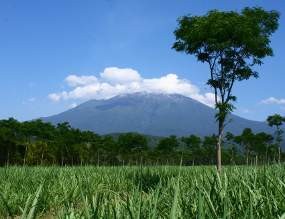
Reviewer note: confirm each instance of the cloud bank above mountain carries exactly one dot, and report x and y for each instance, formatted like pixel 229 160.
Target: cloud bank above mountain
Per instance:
pixel 114 81
pixel 273 100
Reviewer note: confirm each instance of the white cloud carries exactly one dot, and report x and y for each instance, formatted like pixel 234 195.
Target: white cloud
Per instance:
pixel 73 105
pixel 54 97
pixel 273 100
pixel 74 80
pixel 114 81
pixel 120 75
pixel 245 110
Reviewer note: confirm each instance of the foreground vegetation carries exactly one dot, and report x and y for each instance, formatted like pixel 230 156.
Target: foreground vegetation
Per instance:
pixel 142 192
pixel 38 143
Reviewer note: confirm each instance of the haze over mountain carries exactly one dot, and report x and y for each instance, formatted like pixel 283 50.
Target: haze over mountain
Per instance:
pixel 151 114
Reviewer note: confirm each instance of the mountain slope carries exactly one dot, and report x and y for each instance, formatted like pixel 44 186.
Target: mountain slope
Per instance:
pixel 152 114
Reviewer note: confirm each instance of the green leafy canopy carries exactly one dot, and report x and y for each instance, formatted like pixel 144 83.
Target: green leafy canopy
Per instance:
pixel 275 120
pixel 231 43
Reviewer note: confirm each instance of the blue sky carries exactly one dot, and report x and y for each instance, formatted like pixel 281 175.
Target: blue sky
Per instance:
pixel 44 42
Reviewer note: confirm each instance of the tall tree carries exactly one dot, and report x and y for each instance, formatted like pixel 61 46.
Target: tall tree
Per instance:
pixel 261 144
pixel 193 143
pixel 132 142
pixel 231 43
pixel 168 144
pixel 277 121
pixel 246 139
pixel 209 149
pixel 232 147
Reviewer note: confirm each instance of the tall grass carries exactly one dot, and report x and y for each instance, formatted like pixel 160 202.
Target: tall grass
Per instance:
pixel 142 192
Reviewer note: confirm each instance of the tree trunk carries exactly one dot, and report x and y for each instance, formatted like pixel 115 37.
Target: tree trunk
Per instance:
pixel 247 155
pixel 42 158
pixel 219 145
pixel 266 156
pixel 25 155
pixel 279 154
pixel 61 158
pixel 232 157
pixel 98 159
pixel 8 158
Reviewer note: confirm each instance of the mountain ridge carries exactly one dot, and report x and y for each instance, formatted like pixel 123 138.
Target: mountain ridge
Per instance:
pixel 152 114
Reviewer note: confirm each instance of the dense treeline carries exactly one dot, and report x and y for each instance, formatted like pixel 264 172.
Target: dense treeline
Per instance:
pixel 36 142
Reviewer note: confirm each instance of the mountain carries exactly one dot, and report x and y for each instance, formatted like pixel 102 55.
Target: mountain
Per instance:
pixel 151 114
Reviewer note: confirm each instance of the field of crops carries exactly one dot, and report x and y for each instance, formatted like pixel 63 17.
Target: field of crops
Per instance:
pixel 142 192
